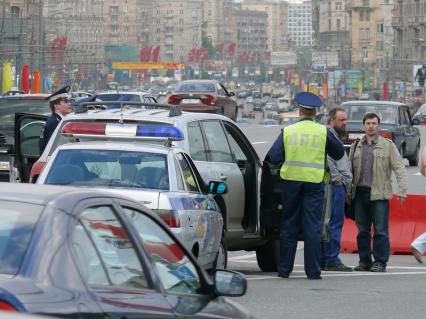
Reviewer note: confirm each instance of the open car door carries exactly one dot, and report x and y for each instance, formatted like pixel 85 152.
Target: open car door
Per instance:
pixel 28 128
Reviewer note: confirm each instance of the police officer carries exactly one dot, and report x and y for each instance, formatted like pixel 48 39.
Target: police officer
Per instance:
pixel 303 149
pixel 60 106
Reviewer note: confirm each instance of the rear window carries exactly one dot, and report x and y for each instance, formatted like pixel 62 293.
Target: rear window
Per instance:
pixel 387 113
pixel 110 168
pixel 18 221
pixel 196 87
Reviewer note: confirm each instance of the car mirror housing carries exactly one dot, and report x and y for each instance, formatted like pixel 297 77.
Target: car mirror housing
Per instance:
pixel 218 188
pixel 229 283
pixel 231 94
pixel 416 122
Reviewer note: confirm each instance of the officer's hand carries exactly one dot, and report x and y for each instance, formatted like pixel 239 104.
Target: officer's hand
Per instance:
pixel 348 198
pixel 401 200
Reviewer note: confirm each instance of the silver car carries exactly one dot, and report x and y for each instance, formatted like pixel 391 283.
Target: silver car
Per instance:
pixel 161 177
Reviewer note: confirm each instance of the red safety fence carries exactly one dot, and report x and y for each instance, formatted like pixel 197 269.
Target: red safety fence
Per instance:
pixel 405 224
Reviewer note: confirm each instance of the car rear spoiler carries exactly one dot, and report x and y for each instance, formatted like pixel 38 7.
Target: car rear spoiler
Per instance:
pixel 103 105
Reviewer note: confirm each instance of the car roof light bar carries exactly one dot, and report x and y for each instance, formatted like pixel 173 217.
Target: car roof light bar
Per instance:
pixel 122 131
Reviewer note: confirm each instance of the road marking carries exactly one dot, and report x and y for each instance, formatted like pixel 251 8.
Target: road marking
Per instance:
pixel 340 274
pixel 254 143
pixel 242 257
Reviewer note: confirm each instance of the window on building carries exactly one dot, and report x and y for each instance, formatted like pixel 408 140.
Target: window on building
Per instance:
pixel 329 25
pixel 338 24
pixel 380 28
pixel 365 54
pixel 15 11
pixel 364 15
pixel 338 6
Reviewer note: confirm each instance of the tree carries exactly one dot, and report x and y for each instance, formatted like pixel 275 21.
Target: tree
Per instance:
pixel 206 41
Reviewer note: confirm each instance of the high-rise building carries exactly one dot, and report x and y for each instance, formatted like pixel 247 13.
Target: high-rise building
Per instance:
pixel 409 24
pixel 299 21
pixel 371 38
pixel 217 19
pixel 176 28
pixel 277 21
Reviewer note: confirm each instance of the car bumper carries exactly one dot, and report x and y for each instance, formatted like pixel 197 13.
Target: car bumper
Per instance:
pixel 200 108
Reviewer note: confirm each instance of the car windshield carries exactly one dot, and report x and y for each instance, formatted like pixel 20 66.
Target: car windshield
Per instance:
pixel 119 97
pixel 387 113
pixel 16 229
pixel 109 168
pixel 196 87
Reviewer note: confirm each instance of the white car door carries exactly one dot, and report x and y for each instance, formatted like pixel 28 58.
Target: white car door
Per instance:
pixel 209 148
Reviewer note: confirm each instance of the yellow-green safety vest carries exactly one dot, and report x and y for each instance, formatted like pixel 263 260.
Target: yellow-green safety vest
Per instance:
pixel 304 146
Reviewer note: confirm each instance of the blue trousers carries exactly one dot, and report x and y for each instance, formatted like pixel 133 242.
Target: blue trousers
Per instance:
pixel 303 204
pixel 367 213
pixel 330 250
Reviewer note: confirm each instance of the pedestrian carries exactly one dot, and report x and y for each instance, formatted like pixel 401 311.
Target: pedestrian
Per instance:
pixel 341 178
pixel 418 246
pixel 60 107
pixel 374 160
pixel 302 148
pixel 421 75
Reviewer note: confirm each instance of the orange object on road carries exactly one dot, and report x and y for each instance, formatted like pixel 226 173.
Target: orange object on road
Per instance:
pixel 406 223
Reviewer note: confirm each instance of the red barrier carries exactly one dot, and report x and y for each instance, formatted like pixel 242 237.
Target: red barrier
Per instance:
pixel 405 224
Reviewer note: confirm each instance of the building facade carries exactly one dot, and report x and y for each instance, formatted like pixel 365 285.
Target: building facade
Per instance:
pixel 176 28
pixel 299 19
pixel 277 12
pixel 218 20
pixel 371 37
pixel 409 24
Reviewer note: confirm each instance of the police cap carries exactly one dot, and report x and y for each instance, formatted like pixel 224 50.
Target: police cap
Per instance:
pixel 61 93
pixel 307 100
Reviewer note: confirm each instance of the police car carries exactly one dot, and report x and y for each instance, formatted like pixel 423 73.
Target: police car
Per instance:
pixel 219 149
pixel 161 177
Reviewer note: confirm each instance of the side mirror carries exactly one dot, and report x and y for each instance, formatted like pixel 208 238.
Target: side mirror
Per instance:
pixel 229 283
pixel 218 188
pixel 416 122
pixel 231 94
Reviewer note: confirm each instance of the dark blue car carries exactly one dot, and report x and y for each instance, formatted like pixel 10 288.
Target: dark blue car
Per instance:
pixel 76 253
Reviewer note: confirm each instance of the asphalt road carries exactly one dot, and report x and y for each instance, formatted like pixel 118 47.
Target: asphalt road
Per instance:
pixel 398 293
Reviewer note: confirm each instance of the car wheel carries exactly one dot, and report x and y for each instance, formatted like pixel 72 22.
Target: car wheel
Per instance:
pixel 221 261
pixel 267 256
pixel 414 159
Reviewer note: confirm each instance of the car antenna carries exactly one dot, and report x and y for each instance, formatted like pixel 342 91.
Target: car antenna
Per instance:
pixel 121 113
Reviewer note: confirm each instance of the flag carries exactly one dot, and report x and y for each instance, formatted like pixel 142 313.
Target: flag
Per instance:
pixel 25 79
pixel 324 90
pixel 385 91
pixel 36 82
pixel 156 53
pixel 360 88
pixel 220 48
pixel 7 79
pixel 145 54
pixel 231 49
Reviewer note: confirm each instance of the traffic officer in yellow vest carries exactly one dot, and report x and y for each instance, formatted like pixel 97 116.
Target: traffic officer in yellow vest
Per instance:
pixel 303 149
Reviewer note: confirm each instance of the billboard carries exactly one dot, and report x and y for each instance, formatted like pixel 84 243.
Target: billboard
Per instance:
pixel 283 58
pixel 325 59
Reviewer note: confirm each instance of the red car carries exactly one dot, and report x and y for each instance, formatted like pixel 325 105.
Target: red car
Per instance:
pixel 207 96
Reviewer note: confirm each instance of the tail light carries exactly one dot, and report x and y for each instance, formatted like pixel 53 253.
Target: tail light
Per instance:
pixel 172 100
pixel 170 217
pixel 388 135
pixel 208 99
pixel 4 306
pixel 36 170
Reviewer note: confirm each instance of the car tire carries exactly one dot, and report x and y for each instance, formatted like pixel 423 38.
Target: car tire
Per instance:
pixel 267 256
pixel 414 159
pixel 221 261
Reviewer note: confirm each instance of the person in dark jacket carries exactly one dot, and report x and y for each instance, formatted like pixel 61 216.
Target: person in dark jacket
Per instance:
pixel 60 107
pixel 303 148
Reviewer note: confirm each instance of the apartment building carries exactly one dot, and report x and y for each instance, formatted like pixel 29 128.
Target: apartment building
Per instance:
pixel 277 27
pixel 299 19
pixel 371 38
pixel 176 28
pixel 218 20
pixel 409 24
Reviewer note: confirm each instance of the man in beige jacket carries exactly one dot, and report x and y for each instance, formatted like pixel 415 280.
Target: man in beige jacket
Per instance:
pixel 374 159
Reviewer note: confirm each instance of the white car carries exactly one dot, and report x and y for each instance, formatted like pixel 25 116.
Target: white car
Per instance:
pixel 161 177
pixel 218 147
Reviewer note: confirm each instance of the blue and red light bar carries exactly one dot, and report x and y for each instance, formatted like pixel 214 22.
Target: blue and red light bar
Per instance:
pixel 117 130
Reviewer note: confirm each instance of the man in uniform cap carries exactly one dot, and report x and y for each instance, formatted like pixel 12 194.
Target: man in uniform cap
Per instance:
pixel 303 148
pixel 60 106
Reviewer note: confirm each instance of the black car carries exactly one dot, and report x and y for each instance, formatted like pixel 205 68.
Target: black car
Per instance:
pixel 79 253
pixel 9 105
pixel 395 124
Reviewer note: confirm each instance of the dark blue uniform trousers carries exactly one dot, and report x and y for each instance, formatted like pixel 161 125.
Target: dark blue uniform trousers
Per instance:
pixel 303 204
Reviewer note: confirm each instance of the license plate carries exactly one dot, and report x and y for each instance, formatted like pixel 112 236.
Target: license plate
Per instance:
pixel 354 136
pixel 4 166
pixel 190 101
